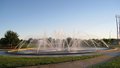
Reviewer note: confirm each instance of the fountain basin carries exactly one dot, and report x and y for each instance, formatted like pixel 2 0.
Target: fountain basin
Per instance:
pixel 55 52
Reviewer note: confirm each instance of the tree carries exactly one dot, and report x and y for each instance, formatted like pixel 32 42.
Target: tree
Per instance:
pixel 29 40
pixel 2 41
pixel 50 39
pixel 10 39
pixel 69 40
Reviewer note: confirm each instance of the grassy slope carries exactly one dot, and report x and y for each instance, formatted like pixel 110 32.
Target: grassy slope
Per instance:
pixel 12 62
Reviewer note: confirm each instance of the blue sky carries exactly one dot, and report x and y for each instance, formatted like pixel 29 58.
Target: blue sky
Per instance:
pixel 33 17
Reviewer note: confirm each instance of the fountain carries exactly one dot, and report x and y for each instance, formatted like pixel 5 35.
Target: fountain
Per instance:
pixel 59 46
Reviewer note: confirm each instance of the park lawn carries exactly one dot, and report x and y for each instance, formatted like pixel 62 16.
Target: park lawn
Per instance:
pixel 13 62
pixel 115 63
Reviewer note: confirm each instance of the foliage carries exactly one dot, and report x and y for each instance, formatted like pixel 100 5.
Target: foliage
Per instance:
pixel 29 40
pixel 10 39
pixel 110 41
pixel 3 41
pixel 13 62
pixel 69 40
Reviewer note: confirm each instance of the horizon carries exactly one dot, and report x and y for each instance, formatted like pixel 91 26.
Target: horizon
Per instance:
pixel 36 17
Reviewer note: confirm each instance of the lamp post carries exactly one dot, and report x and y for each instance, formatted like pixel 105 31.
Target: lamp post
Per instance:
pixel 118 27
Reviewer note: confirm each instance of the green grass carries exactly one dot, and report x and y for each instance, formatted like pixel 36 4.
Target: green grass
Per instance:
pixel 115 63
pixel 12 62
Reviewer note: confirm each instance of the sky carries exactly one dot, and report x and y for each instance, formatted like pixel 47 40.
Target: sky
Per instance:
pixel 95 18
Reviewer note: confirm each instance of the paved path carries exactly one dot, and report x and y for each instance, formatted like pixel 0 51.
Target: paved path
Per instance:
pixel 82 63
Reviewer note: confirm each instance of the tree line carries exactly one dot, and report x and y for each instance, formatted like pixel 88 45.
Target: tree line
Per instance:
pixel 11 39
